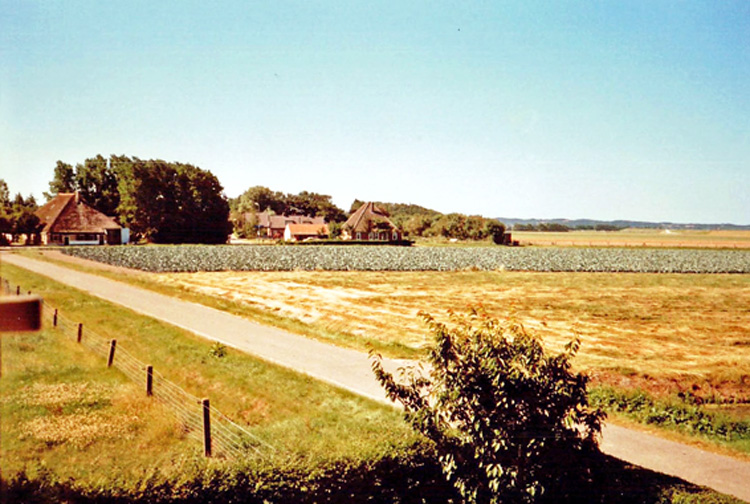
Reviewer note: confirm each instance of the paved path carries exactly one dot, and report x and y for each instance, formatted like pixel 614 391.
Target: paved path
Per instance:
pixel 350 369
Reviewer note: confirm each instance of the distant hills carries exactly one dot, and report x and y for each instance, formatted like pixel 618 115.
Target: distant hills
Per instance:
pixel 590 223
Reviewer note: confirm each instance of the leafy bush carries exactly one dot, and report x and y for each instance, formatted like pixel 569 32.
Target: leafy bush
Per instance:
pixel 509 421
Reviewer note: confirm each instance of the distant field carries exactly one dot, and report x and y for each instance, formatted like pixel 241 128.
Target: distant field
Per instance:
pixel 638 238
pixel 655 330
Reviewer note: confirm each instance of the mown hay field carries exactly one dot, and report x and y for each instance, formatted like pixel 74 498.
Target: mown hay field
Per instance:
pixel 655 330
pixel 727 239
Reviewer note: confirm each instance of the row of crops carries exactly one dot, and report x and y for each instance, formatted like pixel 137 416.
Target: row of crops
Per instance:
pixel 384 258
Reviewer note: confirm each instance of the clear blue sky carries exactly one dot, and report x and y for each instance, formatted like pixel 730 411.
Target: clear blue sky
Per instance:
pixel 603 109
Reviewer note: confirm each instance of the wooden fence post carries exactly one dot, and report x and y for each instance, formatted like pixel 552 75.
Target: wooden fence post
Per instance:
pixel 206 427
pixel 54 318
pixel 80 333
pixel 149 380
pixel 111 358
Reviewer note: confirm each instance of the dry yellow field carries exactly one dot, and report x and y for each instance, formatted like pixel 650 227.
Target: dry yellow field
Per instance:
pixel 661 330
pixel 638 238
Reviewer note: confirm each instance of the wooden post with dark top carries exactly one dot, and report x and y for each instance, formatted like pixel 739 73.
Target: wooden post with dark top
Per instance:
pixel 206 427
pixel 149 380
pixel 111 358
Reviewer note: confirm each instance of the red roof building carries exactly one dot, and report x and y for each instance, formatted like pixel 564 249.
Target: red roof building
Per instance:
pixel 69 221
pixel 301 232
pixel 274 226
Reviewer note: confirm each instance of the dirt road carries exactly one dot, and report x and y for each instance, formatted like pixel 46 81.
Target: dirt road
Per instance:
pixel 350 370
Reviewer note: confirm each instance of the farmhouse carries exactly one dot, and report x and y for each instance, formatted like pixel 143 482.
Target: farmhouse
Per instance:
pixel 274 226
pixel 370 223
pixel 301 232
pixel 68 220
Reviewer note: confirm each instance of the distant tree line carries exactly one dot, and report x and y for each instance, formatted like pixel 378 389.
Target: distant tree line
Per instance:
pixel 17 215
pixel 418 221
pixel 259 199
pixel 553 227
pixel 162 202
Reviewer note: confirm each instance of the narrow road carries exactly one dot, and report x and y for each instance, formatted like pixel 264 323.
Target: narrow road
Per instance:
pixel 350 369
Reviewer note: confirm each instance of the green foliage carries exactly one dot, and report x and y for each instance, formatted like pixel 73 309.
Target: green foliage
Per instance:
pixel 507 419
pixel 172 202
pixel 63 180
pixel 97 183
pixel 261 199
pixel 17 216
pixel 159 201
pixel 682 413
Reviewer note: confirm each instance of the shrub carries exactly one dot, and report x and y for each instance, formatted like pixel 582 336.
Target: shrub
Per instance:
pixel 507 419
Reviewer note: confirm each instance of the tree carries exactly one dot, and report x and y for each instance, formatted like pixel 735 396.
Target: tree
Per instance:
pixel 4 197
pixel 260 199
pixel 496 230
pixel 97 183
pixel 172 202
pixel 63 181
pixel 508 421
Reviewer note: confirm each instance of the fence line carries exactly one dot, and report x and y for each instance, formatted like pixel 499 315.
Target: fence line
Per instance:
pixel 224 436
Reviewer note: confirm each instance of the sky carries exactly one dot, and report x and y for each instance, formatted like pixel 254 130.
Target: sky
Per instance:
pixel 635 110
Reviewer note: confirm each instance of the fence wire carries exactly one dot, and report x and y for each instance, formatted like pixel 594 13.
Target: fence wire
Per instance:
pixel 227 437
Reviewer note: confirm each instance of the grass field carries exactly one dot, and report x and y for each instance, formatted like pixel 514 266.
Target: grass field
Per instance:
pixel 58 396
pixel 65 417
pixel 692 329
pixel 638 238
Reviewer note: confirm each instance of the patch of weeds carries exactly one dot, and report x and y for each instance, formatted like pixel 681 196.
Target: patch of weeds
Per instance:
pixel 682 413
pixel 218 350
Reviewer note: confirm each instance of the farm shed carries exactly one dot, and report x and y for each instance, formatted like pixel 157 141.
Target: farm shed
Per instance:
pixel 300 232
pixel 370 223
pixel 68 220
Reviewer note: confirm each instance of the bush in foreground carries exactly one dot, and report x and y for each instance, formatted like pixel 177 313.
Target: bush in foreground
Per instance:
pixel 509 421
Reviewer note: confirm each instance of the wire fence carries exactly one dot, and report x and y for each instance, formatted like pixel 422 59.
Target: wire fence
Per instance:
pixel 219 434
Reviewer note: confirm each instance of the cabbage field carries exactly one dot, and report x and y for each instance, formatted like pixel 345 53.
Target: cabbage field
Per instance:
pixel 193 258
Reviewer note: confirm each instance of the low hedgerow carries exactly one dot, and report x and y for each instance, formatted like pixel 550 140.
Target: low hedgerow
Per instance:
pixel 680 413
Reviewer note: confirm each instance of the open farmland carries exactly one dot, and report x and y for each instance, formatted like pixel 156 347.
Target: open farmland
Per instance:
pixel 656 330
pixel 727 239
pixel 384 258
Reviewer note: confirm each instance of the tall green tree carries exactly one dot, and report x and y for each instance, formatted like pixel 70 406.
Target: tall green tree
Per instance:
pixel 63 180
pixel 508 420
pixel 260 199
pixel 172 202
pixel 97 183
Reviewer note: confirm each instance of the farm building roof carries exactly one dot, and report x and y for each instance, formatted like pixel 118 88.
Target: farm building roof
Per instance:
pixel 367 217
pixel 67 213
pixel 308 229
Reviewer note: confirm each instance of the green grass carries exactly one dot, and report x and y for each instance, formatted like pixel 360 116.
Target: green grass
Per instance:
pixel 304 419
pixel 325 438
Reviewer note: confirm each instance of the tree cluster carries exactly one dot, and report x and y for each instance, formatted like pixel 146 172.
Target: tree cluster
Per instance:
pixel 258 199
pixel 415 220
pixel 17 215
pixel 261 199
pixel 162 202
